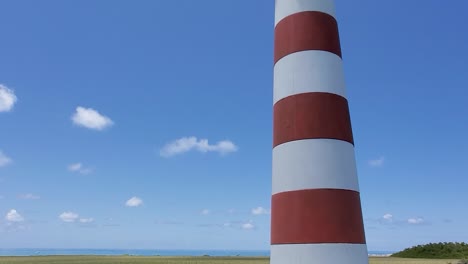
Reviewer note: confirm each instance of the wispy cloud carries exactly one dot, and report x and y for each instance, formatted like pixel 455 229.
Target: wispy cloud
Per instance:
pixel 86 220
pixel 75 167
pixel 134 202
pixel 260 211
pixel 187 144
pixel 7 98
pixel 239 225
pixel 416 220
pixel 72 217
pixel 13 216
pixel 168 222
pixel 4 159
pixel 69 217
pixel 109 222
pixel 209 225
pixel 29 196
pixel 15 227
pixel 90 118
pixel 377 162
pixel 248 225
pixel 79 168
pixel 391 221
pixel 205 212
pixel 388 217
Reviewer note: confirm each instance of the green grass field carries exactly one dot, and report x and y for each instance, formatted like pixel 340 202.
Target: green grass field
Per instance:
pixel 411 261
pixel 183 260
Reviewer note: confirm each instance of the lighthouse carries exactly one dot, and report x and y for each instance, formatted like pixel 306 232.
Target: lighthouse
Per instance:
pixel 316 214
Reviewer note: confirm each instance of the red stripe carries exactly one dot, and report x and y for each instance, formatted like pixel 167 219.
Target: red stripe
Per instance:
pixel 311 115
pixel 317 216
pixel 310 30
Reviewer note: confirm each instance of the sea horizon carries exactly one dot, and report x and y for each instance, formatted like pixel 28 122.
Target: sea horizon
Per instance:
pixel 148 252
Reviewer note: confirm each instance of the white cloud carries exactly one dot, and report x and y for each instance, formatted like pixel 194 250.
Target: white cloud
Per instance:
pixel 388 217
pixel 29 196
pixel 247 226
pixel 168 222
pixel 377 162
pixel 14 216
pixel 78 167
pixel 186 144
pixel 7 99
pixel 86 171
pixel 415 221
pixel 90 118
pixel 15 227
pixel 69 217
pixel 4 159
pixel 240 225
pixel 134 202
pixel 75 167
pixel 205 212
pixel 260 211
pixel 86 220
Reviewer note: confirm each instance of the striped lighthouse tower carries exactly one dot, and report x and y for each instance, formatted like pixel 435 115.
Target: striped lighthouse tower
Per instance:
pixel 316 208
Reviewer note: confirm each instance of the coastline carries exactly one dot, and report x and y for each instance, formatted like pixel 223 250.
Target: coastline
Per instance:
pixel 148 252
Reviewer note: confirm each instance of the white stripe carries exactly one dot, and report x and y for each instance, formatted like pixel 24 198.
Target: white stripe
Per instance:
pixel 314 164
pixel 319 253
pixel 284 8
pixel 308 71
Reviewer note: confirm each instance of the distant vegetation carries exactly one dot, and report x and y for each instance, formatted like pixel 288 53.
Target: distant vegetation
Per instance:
pixel 188 260
pixel 436 251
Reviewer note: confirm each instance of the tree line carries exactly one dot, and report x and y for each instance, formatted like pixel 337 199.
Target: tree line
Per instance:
pixel 442 250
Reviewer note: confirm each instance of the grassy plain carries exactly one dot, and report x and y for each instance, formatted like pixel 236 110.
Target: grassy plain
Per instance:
pixel 183 260
pixel 381 260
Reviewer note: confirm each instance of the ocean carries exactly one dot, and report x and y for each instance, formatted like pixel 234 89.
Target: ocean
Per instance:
pixel 145 252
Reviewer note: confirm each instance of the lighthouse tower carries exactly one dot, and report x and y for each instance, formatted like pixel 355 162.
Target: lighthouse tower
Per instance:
pixel 316 208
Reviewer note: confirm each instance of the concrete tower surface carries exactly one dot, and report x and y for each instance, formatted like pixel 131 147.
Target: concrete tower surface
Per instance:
pixel 316 207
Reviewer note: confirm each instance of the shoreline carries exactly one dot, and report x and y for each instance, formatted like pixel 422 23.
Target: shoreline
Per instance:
pixel 129 259
pixel 32 252
pixel 161 256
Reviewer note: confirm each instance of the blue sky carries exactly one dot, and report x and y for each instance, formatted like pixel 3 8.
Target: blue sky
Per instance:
pixel 104 90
